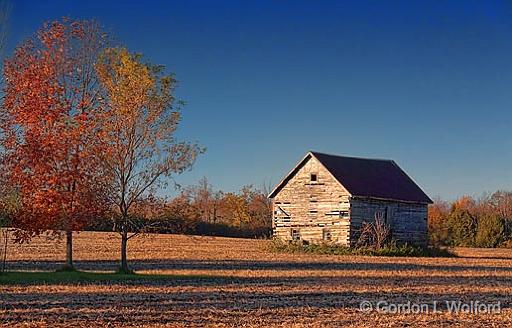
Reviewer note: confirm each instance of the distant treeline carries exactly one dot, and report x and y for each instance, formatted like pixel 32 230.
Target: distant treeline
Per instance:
pixel 201 210
pixel 485 221
pixel 472 222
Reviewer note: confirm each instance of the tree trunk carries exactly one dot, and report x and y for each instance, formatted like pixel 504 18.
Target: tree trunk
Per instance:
pixel 124 260
pixel 69 251
pixel 4 259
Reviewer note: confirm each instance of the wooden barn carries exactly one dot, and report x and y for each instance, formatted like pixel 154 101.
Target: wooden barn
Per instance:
pixel 328 197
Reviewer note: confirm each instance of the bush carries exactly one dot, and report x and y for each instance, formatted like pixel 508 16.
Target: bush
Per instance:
pixel 462 227
pixel 188 226
pixel 490 232
pixel 225 230
pixel 374 234
pixel 390 249
pixel 506 244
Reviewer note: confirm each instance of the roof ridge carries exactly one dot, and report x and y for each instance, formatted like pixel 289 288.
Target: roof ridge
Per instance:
pixel 354 157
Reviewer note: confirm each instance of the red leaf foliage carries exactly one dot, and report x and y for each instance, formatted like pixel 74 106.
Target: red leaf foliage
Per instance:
pixel 48 128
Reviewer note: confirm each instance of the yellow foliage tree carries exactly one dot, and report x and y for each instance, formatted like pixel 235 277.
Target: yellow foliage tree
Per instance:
pixel 138 132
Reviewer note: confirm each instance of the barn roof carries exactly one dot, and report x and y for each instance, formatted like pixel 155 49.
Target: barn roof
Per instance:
pixel 363 177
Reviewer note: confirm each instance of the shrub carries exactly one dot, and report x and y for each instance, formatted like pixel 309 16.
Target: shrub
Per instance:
pixel 490 232
pixel 179 224
pixel 374 234
pixel 225 230
pixel 462 227
pixel 506 244
pixel 391 248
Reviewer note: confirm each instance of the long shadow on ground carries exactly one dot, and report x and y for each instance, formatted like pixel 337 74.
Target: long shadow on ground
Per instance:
pixel 24 278
pixel 193 264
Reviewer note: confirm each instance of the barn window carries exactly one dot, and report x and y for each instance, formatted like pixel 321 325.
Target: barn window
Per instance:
pixel 314 177
pixel 326 234
pixel 295 234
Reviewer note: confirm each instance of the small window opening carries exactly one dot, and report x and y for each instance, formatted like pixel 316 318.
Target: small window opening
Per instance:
pixel 314 177
pixel 326 234
pixel 295 234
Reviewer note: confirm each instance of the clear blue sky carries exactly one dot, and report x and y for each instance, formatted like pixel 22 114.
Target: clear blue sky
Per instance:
pixel 426 83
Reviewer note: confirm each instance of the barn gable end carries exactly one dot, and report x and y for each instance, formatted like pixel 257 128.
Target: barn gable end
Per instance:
pixel 316 210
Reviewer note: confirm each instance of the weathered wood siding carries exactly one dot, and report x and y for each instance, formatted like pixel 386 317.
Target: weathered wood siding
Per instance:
pixel 308 207
pixel 408 221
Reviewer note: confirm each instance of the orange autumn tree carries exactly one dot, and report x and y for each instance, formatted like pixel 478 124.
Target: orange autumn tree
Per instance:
pixel 138 132
pixel 48 127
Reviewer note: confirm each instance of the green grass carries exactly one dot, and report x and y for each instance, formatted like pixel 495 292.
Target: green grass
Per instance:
pixel 72 277
pixel 392 249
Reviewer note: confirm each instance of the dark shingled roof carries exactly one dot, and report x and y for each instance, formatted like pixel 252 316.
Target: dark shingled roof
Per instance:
pixel 373 178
